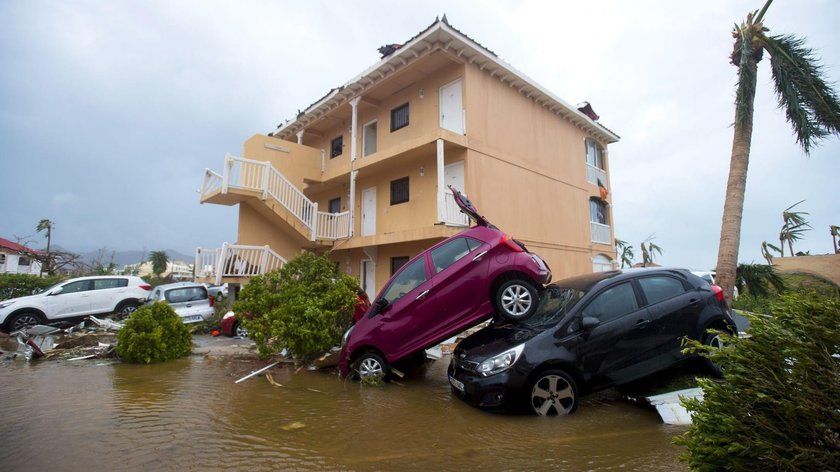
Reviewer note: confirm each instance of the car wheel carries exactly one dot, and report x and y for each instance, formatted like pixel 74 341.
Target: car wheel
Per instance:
pixel 370 366
pixel 23 320
pixel 126 309
pixel 239 331
pixel 553 393
pixel 713 340
pixel 517 299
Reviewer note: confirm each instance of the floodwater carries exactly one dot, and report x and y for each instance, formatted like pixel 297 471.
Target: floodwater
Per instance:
pixel 190 415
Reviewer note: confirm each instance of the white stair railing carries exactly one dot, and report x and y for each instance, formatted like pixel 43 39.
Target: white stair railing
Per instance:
pixel 261 176
pixel 235 260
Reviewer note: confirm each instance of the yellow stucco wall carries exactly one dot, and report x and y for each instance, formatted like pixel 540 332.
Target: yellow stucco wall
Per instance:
pixel 826 266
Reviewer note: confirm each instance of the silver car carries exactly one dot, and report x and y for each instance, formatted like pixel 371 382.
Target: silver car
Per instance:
pixel 189 300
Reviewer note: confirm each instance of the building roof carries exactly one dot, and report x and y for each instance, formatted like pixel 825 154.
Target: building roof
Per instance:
pixel 15 247
pixel 441 35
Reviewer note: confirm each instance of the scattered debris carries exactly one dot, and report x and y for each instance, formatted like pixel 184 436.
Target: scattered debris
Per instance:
pixel 669 407
pixel 271 380
pixel 107 324
pixel 294 425
pixel 257 372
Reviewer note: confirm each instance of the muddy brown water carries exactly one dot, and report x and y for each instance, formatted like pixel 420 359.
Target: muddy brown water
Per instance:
pixel 189 415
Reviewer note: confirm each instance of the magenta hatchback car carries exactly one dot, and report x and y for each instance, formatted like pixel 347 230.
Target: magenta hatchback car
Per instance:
pixel 455 284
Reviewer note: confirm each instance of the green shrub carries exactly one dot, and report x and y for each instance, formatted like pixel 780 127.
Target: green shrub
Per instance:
pixel 153 333
pixel 305 307
pixel 21 285
pixel 778 405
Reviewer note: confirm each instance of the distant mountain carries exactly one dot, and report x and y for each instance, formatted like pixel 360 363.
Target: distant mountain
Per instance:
pixel 122 258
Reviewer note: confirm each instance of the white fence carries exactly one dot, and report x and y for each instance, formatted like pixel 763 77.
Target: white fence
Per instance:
pixel 593 174
pixel 600 233
pixel 452 214
pixel 232 260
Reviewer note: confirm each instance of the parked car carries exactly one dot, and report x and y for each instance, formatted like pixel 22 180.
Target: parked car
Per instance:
pixel 190 300
pixel 230 325
pixel 219 292
pixel 457 283
pixel 589 333
pixel 709 276
pixel 74 299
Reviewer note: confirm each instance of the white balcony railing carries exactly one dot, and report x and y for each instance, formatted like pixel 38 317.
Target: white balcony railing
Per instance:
pixel 452 214
pixel 600 233
pixel 232 260
pixel 262 177
pixel 593 174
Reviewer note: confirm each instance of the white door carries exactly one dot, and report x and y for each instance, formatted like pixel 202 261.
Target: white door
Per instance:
pixel 453 175
pixel 369 278
pixel 452 108
pixel 369 211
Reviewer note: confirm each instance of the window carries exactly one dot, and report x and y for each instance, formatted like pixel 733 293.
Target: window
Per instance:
pixel 613 303
pixel 601 263
pixel 396 263
pixel 598 211
pixel 399 191
pixel 409 279
pixel 657 289
pixel 2 258
pixel 399 117
pixel 23 261
pixel 594 155
pixel 369 139
pixel 186 294
pixel 336 146
pixel 74 287
pixel 99 284
pixel 452 251
pixel 335 205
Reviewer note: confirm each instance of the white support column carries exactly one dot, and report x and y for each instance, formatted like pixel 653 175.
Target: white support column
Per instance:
pixel 354 127
pixel 352 203
pixel 226 172
pixel 266 172
pixel 441 193
pixel 323 160
pixel 300 137
pixel 220 262
pixel 314 222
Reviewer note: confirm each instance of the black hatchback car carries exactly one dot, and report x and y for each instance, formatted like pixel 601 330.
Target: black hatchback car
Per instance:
pixel 588 333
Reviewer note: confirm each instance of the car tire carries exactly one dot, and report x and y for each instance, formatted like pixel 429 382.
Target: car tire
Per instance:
pixel 369 366
pixel 517 299
pixel 713 340
pixel 239 331
pixel 26 319
pixel 125 309
pixel 552 393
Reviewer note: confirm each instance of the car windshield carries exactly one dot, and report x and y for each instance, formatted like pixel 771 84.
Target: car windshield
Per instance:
pixel 555 302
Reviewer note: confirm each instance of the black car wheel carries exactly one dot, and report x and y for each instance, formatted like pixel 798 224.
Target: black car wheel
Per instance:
pixel 369 366
pixel 23 320
pixel 239 331
pixel 713 340
pixel 553 393
pixel 517 299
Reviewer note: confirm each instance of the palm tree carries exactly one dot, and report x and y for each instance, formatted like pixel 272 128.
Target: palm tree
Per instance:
pixel 625 252
pixel 765 251
pixel 810 104
pixel 648 253
pixel 159 259
pixel 46 225
pixel 757 278
pixel 835 233
pixel 793 228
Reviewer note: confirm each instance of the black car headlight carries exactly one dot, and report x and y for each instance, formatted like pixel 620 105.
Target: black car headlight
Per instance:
pixel 501 362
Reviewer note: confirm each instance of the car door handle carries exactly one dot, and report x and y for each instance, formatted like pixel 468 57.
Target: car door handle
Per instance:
pixel 422 295
pixel 478 256
pixel 693 301
pixel 642 323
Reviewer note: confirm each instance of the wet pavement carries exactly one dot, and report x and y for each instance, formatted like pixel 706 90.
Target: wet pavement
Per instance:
pixel 189 414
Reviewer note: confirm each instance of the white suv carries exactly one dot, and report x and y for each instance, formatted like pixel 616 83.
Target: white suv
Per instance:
pixel 74 299
pixel 190 301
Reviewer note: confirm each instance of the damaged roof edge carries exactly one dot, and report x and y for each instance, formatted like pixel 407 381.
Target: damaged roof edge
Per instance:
pixel 482 57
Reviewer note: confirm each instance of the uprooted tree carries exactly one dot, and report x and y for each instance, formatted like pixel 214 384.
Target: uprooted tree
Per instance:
pixel 303 307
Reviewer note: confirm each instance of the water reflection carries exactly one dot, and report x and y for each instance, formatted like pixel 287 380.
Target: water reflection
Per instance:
pixel 189 414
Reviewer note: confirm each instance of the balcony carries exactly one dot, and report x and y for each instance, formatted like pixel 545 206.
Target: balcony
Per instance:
pixel 233 261
pixel 600 233
pixel 593 174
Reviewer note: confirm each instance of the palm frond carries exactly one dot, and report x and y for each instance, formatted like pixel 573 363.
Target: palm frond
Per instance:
pixel 757 278
pixel 811 106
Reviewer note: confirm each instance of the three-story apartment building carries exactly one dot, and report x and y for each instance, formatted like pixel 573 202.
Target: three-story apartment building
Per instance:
pixel 364 171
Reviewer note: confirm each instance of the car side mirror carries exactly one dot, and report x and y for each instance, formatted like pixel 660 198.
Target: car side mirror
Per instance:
pixel 379 305
pixel 57 291
pixel 588 323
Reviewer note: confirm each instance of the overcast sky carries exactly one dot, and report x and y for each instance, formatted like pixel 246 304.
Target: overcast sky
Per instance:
pixel 111 111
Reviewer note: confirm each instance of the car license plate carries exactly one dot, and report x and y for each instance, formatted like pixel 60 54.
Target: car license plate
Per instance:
pixel 190 319
pixel 456 383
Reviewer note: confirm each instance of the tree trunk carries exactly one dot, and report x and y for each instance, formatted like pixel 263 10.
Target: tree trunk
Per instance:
pixel 733 208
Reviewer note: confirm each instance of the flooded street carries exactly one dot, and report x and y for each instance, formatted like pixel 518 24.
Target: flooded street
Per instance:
pixel 189 415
